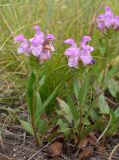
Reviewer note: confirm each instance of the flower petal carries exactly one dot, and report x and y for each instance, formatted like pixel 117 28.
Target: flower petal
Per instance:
pixel 19 38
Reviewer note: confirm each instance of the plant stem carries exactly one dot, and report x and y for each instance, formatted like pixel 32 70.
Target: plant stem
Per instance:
pixel 33 124
pixel 81 118
pixel 105 64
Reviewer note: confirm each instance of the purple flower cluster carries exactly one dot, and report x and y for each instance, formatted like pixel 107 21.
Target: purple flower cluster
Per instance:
pixel 39 46
pixel 107 20
pixel 74 53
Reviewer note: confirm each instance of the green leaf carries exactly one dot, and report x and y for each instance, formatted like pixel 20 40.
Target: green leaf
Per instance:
pixel 113 87
pixel 72 107
pixel 104 108
pixel 63 127
pixel 30 91
pixel 76 87
pixel 41 82
pixel 48 100
pixel 113 71
pixel 108 75
pixel 42 126
pixel 94 115
pixel 116 112
pixel 65 110
pixel 38 108
pixel 84 90
pixel 86 122
pixel 102 47
pixel 27 126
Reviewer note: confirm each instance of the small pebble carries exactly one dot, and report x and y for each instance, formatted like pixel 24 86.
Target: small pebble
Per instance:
pixel 14 155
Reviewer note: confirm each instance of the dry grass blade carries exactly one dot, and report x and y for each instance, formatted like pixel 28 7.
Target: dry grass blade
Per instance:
pixel 4 157
pixel 94 17
pixel 103 133
pixel 110 157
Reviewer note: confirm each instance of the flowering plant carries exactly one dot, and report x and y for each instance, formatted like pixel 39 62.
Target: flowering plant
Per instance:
pixel 78 110
pixel 41 48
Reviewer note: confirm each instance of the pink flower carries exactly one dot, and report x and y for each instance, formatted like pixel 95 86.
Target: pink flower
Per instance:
pixel 50 37
pixel 39 46
pixel 107 20
pixel 70 41
pixel 19 38
pixel 24 45
pixel 74 53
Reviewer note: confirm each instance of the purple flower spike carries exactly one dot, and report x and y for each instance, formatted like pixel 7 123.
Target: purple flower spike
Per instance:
pixel 36 50
pixel 39 46
pixel 24 44
pixel 85 57
pixel 37 39
pixel 108 12
pixel 19 38
pixel 73 62
pixel 107 20
pixel 74 54
pixel 69 41
pixel 85 51
pixel 86 39
pixel 100 20
pixel 24 48
pixel 45 55
pixel 37 42
pixel 37 28
pixel 50 37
